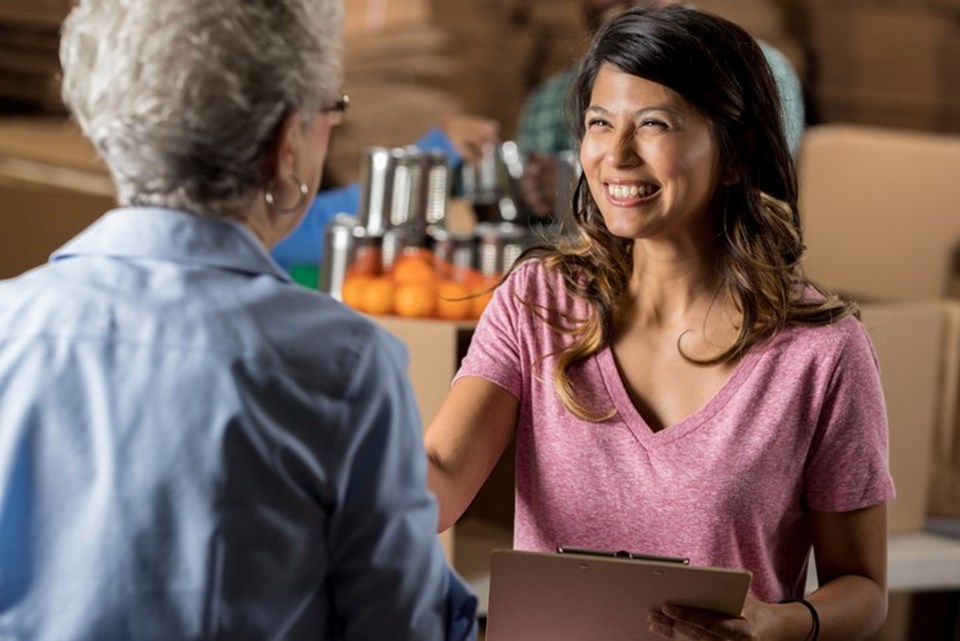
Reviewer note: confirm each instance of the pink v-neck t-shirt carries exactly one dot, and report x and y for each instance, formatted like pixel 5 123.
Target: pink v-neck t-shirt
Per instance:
pixel 801 424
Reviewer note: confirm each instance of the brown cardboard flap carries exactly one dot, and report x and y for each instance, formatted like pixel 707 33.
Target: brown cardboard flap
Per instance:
pixel 945 482
pixel 881 210
pixel 908 338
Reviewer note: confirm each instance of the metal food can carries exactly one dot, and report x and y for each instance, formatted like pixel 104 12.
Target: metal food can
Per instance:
pixel 339 249
pixel 438 188
pixel 500 244
pixel 410 184
pixel 377 169
pixel 454 252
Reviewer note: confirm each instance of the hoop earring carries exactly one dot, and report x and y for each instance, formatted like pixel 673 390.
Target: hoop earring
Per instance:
pixel 272 201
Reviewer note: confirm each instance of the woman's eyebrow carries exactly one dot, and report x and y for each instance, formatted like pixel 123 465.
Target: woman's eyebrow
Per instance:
pixel 639 112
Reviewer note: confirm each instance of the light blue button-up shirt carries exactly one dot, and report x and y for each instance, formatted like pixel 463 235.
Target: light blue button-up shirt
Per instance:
pixel 193 447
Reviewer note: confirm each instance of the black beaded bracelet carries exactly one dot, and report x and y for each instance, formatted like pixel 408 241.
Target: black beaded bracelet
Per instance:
pixel 815 629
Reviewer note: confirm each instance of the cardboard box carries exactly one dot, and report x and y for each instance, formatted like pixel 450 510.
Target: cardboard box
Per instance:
pixel 893 48
pixel 374 16
pixel 908 338
pixel 881 210
pixel 884 110
pixel 435 348
pixel 945 484
pixel 52 185
pixel 35 12
pixel 891 63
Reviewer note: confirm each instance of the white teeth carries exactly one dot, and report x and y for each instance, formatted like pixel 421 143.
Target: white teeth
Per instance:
pixel 630 191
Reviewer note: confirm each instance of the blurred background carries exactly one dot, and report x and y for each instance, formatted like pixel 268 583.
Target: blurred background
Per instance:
pixel 880 187
pixel 879 62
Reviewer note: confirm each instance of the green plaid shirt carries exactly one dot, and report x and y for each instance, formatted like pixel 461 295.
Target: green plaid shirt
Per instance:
pixel 543 127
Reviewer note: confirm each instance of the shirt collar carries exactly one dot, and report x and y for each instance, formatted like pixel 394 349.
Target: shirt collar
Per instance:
pixel 172 235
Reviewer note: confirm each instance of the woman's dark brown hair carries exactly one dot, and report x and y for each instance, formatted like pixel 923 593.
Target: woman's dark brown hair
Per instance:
pixel 721 71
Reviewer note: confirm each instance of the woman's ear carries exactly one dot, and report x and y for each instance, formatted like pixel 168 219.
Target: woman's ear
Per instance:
pixel 283 156
pixel 731 175
pixel 745 145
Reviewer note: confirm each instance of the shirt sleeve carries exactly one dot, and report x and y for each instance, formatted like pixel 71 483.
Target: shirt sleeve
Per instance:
pixel 495 349
pixel 390 576
pixel 849 466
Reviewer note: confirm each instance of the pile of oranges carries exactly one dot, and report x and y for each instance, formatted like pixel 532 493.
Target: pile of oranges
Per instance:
pixel 418 286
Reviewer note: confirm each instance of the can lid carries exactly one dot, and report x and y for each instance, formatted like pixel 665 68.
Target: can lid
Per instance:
pixel 502 231
pixel 442 234
pixel 344 220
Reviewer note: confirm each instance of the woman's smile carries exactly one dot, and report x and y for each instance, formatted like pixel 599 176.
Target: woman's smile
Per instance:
pixel 650 159
pixel 623 193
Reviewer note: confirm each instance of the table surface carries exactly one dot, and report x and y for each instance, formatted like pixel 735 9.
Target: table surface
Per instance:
pixel 916 562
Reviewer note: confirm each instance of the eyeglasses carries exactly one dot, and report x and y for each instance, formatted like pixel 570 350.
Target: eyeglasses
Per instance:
pixel 337 110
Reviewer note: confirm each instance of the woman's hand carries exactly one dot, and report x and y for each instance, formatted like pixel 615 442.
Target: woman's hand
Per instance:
pixel 755 623
pixel 470 135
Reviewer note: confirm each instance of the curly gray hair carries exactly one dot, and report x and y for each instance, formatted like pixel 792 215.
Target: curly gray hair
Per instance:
pixel 183 98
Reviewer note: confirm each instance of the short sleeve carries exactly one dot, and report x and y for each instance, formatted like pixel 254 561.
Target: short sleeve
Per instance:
pixel 496 349
pixel 848 468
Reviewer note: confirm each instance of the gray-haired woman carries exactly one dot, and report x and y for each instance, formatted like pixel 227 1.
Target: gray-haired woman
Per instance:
pixel 191 446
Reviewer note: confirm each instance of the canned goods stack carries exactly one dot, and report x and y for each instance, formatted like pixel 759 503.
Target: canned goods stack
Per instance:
pixel 397 257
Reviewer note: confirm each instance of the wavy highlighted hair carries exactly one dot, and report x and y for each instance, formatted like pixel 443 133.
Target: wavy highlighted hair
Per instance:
pixel 720 70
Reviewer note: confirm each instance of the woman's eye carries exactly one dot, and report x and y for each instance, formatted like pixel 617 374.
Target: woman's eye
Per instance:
pixel 596 122
pixel 653 123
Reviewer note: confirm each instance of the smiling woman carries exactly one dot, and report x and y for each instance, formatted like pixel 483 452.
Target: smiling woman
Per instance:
pixel 674 382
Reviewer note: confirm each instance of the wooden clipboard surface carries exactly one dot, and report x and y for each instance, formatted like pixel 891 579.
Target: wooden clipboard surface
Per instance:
pixel 535 596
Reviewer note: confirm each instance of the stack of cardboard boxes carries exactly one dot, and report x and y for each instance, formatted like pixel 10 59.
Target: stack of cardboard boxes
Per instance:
pixel 410 63
pixel 29 63
pixel 397 64
pixel 890 63
pixel 882 221
pixel 767 20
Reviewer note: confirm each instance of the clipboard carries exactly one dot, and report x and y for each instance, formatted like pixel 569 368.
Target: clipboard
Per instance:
pixel 583 595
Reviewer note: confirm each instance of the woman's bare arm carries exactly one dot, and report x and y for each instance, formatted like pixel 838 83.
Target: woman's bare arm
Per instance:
pixel 464 442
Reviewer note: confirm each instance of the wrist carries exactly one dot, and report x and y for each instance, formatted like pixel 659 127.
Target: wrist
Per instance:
pixel 802 619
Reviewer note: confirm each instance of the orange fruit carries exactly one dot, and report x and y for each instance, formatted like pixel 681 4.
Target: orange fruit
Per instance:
pixel 367 261
pixel 453 302
pixel 377 296
pixel 412 268
pixel 415 300
pixel 352 291
pixel 481 289
pixel 444 268
pixel 479 303
pixel 473 279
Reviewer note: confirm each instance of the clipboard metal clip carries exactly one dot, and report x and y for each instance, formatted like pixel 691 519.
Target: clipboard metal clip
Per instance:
pixel 623 554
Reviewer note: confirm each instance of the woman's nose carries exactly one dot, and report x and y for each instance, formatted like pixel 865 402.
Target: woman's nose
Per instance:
pixel 623 150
